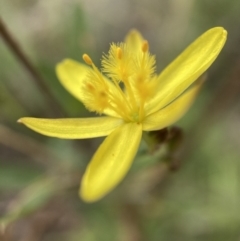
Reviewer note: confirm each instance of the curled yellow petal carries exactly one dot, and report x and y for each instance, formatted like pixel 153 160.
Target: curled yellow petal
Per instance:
pixel 187 67
pixel 71 75
pixel 111 162
pixel 174 111
pixel 73 128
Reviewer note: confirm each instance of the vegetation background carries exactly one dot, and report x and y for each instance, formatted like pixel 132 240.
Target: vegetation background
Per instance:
pixel 39 176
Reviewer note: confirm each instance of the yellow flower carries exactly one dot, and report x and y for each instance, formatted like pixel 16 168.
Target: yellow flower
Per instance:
pixel 133 99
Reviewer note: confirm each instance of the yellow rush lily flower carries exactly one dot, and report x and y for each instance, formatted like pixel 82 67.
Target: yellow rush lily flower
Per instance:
pixel 133 99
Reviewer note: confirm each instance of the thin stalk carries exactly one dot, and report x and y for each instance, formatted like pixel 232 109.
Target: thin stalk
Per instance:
pixel 25 61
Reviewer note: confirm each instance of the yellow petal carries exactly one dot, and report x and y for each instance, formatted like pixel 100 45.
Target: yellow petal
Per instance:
pixel 72 75
pixel 134 40
pixel 111 162
pixel 187 67
pixel 73 128
pixel 174 111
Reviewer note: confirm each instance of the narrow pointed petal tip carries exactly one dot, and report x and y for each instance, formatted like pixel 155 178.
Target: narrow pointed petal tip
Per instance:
pixel 111 162
pixel 187 67
pixel 221 29
pixel 19 121
pixel 222 32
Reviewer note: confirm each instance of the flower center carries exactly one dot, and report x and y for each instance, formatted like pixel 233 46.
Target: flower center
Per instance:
pixel 135 117
pixel 130 82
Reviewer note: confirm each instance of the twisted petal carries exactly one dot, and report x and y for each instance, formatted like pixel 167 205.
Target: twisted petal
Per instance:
pixel 73 128
pixel 173 111
pixel 72 75
pixel 111 162
pixel 187 67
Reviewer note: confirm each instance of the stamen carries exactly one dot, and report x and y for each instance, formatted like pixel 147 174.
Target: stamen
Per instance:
pixel 134 73
pixel 90 87
pixel 119 53
pixel 102 94
pixel 145 46
pixel 87 59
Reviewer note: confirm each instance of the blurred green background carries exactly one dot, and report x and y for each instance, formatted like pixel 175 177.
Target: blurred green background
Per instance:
pixel 39 176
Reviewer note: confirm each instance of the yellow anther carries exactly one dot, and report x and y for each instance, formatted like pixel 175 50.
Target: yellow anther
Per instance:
pixel 87 59
pixel 145 46
pixel 90 87
pixel 103 94
pixel 119 53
